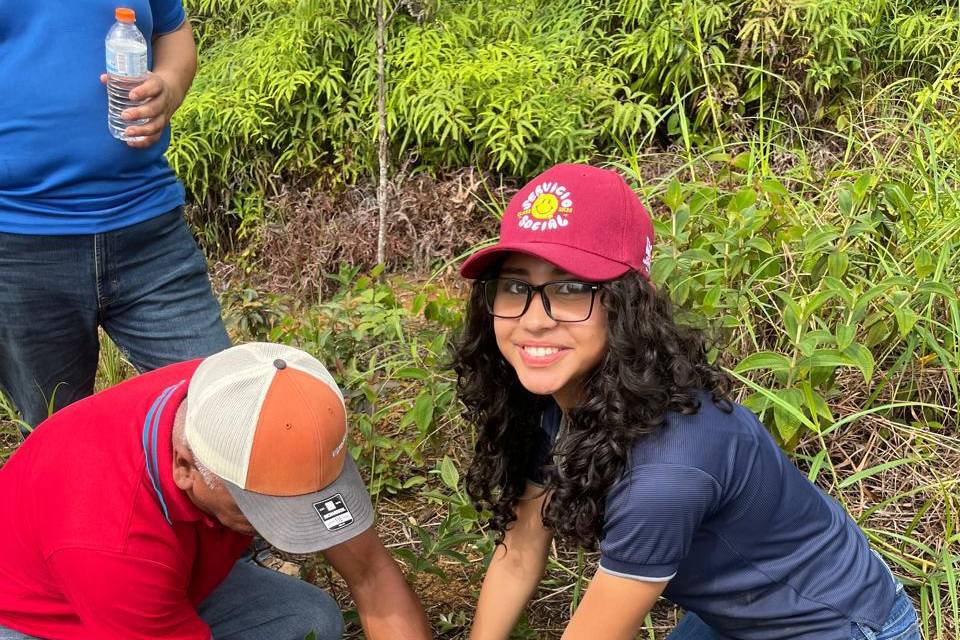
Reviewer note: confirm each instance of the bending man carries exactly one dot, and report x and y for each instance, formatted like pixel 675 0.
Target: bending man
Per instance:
pixel 124 515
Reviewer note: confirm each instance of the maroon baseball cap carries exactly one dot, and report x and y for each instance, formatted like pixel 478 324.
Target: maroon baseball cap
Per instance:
pixel 583 219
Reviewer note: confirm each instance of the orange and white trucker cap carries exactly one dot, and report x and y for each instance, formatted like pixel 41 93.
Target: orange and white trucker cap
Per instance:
pixel 270 420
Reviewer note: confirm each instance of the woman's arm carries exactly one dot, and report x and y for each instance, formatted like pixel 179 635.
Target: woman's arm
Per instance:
pixel 514 571
pixel 613 608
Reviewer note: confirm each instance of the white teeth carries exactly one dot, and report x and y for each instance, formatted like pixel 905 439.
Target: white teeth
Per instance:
pixel 541 352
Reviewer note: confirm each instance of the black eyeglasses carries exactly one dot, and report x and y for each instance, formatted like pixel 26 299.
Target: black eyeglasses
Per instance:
pixel 563 300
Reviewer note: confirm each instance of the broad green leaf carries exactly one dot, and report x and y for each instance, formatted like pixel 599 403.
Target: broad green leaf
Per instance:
pixel 788 424
pixel 791 321
pixel 861 186
pixel 837 263
pixel 760 244
pixel 845 201
pixel 742 200
pixel 845 333
pixel 413 481
pixel 774 186
pixel 449 473
pixel 808 344
pixel 899 196
pixel 826 358
pixel 877 333
pixel 814 302
pixel 413 373
pixel 681 291
pixel 418 302
pixel 673 198
pixel 816 406
pixel 864 300
pixel 906 319
pixel 938 288
pixel 743 160
pixel 712 298
pixel 661 269
pixel 840 288
pixel 923 263
pixel 763 360
pixel 680 219
pixel 757 402
pixel 423 412
pixel 699 255
pixel 818 239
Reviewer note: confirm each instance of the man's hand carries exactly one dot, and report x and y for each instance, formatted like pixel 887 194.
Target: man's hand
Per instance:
pixel 387 607
pixel 159 108
pixel 174 65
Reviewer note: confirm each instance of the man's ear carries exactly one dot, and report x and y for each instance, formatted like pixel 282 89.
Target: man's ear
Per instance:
pixel 182 466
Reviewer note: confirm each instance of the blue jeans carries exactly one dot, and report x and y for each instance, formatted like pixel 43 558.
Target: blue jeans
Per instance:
pixel 901 624
pixel 254 603
pixel 146 285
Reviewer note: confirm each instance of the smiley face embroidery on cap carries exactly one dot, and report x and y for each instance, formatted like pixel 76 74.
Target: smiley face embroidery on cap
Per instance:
pixel 547 207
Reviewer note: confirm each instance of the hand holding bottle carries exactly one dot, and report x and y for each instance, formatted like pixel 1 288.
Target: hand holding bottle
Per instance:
pixel 147 121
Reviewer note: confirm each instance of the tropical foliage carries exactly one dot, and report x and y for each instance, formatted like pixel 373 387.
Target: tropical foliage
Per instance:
pixel 801 159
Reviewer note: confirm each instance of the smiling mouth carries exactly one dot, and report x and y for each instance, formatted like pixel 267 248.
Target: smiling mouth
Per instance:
pixel 541 352
pixel 541 355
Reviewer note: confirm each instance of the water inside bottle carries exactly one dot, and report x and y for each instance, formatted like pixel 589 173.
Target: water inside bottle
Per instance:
pixel 127 68
pixel 118 99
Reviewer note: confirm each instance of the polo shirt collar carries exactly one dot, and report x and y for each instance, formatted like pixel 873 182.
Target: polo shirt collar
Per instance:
pixel 158 450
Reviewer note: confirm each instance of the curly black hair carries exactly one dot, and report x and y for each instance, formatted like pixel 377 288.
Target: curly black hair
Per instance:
pixel 652 365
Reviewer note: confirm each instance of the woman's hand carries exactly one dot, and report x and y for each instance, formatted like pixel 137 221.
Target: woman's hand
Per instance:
pixel 515 570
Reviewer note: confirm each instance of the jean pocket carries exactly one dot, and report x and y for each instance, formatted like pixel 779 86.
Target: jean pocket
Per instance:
pixel 902 623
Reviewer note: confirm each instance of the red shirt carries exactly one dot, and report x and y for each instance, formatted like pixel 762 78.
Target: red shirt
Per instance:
pixel 94 542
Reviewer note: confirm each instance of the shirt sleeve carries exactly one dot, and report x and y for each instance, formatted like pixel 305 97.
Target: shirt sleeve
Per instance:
pixel 168 15
pixel 651 518
pixel 119 597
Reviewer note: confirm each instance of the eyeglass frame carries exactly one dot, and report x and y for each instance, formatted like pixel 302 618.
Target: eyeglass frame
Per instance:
pixel 544 299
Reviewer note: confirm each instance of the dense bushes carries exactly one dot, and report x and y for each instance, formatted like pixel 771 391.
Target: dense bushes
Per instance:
pixel 287 87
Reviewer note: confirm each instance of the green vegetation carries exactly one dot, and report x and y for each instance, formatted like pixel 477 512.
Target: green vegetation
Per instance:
pixel 288 86
pixel 801 159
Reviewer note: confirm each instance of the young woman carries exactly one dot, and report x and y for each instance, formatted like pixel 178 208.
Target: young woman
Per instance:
pixel 600 421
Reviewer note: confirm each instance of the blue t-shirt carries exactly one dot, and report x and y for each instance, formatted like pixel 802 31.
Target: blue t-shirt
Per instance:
pixel 747 542
pixel 61 172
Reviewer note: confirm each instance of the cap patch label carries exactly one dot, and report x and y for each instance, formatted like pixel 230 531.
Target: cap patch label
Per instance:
pixel 334 513
pixel 648 255
pixel 547 207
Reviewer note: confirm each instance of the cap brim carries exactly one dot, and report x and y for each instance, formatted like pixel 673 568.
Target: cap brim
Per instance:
pixel 314 521
pixel 574 261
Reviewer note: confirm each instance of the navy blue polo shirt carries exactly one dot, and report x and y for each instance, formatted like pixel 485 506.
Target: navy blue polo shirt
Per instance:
pixel 711 504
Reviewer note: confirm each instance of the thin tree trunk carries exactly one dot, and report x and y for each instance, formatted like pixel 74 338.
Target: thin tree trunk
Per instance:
pixel 382 127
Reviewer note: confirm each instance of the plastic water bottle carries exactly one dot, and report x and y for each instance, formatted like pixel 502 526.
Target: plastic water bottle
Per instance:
pixel 127 68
